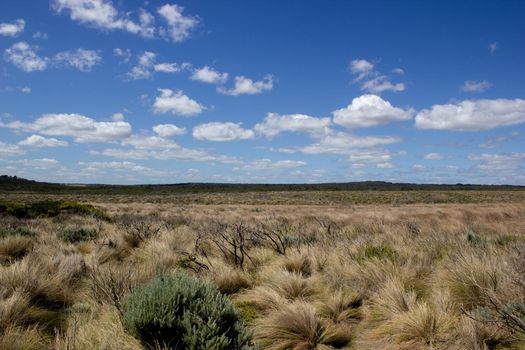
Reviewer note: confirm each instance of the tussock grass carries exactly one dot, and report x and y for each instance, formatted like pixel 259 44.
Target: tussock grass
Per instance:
pixel 349 277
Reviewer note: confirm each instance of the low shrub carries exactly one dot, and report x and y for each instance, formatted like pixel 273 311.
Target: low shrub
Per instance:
pixel 18 231
pixel 49 209
pixel 182 312
pixel 381 251
pixel 77 234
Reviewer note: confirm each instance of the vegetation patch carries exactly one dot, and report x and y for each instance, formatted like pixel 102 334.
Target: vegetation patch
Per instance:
pixel 77 234
pixel 49 209
pixel 17 231
pixel 182 312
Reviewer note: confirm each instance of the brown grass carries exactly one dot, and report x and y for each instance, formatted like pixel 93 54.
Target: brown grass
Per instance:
pixel 419 276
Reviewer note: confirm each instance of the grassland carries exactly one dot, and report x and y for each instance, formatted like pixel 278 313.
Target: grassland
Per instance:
pixel 304 269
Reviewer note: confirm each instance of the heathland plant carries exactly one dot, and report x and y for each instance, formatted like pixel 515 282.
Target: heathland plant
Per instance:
pixel 182 312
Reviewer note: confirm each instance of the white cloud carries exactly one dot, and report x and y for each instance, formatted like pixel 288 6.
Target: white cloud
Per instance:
pixel 381 83
pixel 176 103
pixel 247 86
pixel 25 58
pixel 149 142
pixel 374 156
pixel 165 154
pixel 168 130
pixel 83 60
pixel 82 129
pixel 472 115
pixel 144 66
pixel 12 29
pixel 38 164
pixel 221 132
pixel 179 26
pixel 268 164
pixel 343 143
pixel 8 150
pixel 40 35
pixel 103 15
pixel 371 80
pixel 123 54
pixel 117 117
pixel 370 110
pixel 475 86
pixel 418 167
pixel 167 67
pixel 40 141
pixel 433 156
pixel 361 66
pixel 209 75
pixel 384 165
pixel 125 166
pixel 275 124
pixel 25 89
pixel 502 168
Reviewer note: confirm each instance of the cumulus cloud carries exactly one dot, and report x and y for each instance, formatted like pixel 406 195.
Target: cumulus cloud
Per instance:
pixel 146 66
pixel 167 67
pixel 209 75
pixel 81 128
pixel 38 164
pixel 149 142
pixel 12 29
pixel 103 15
pixel 370 110
pixel 499 163
pixel 221 132
pixel 472 115
pixel 246 86
pixel 24 57
pixel 371 80
pixel 168 130
pixel 83 60
pixel 275 124
pixel 125 166
pixel 475 86
pixel 433 156
pixel 179 153
pixel 25 89
pixel 176 103
pixel 343 143
pixel 9 150
pixel 179 27
pixel 38 141
pixel 123 54
pixel 268 164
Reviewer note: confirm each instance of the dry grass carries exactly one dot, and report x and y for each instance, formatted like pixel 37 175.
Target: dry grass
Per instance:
pixel 422 276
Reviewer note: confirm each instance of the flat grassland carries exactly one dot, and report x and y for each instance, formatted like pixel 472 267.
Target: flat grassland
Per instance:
pixel 303 269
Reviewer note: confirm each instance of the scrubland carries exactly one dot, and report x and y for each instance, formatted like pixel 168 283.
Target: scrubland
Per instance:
pixel 330 276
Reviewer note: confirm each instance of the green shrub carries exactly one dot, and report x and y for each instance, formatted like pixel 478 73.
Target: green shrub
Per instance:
pixel 77 234
pixel 474 239
pixel 18 231
pixel 182 312
pixel 379 251
pixel 49 209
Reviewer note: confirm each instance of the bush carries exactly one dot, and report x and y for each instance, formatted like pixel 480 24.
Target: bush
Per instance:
pixel 49 209
pixel 182 312
pixel 19 231
pixel 380 252
pixel 77 234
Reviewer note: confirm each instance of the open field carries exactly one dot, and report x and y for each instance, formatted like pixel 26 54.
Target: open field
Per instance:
pixel 303 270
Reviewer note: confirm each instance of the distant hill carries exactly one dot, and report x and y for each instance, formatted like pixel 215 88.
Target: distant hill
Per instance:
pixel 13 183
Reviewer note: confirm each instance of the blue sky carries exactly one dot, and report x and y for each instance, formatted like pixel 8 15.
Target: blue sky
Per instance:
pixel 101 91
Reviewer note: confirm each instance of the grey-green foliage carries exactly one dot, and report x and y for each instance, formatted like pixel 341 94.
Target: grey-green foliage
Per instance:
pixel 182 312
pixel 18 231
pixel 77 234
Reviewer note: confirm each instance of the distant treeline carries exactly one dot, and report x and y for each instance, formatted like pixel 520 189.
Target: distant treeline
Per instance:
pixel 13 183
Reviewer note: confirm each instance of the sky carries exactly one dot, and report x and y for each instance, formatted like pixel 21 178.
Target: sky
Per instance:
pixel 135 92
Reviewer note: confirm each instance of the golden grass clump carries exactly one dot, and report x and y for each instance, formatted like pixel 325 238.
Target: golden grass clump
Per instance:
pixel 297 326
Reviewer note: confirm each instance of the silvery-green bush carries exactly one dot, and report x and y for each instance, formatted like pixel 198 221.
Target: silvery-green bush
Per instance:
pixel 182 312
